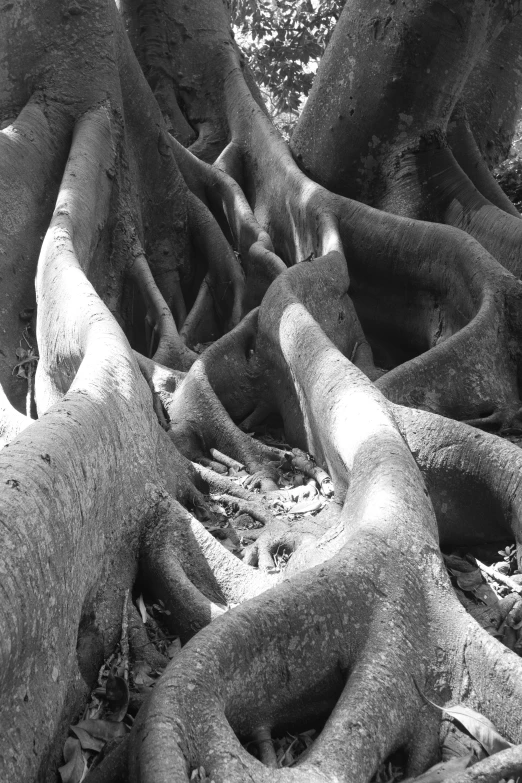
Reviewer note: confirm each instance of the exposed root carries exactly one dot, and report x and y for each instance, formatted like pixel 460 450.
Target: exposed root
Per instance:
pixel 214 482
pixel 114 766
pixel 368 462
pixel 449 196
pixel 218 185
pixel 448 310
pixel 467 154
pixel 96 454
pixel 199 422
pixel 505 765
pixel 364 608
pixel 141 648
pixel 171 350
pixel 191 572
pixel 326 369
pixel 201 324
pixel 473 477
pixel 254 509
pixel 224 278
pixel 80 213
pixel 33 151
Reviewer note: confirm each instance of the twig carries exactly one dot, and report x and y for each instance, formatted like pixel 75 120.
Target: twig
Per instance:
pixel 494 574
pixel 218 483
pixel 262 736
pixel 255 510
pixel 224 459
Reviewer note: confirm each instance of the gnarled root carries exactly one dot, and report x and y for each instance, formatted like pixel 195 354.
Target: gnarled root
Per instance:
pixel 213 185
pixel 452 328
pixel 191 572
pixel 171 351
pixel 474 479
pixel 78 483
pixel 374 616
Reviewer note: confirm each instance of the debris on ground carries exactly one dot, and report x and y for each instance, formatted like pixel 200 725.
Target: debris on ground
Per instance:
pixel 490 592
pixel 305 489
pixel 114 702
pixel 105 719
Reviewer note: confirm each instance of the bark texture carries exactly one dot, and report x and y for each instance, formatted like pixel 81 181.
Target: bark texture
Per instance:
pixel 190 276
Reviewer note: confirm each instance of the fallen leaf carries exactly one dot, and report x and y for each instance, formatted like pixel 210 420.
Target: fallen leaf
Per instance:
pixel 103 729
pixel 86 740
pixel 476 724
pixel 469 580
pixel 485 594
pixel 75 767
pixel 308 506
pixel 479 727
pixel 141 674
pixel 456 563
pixel 327 487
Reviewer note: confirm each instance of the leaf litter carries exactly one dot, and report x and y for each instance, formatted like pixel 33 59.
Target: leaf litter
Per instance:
pixel 304 489
pixel 469 735
pixel 491 593
pixel 109 714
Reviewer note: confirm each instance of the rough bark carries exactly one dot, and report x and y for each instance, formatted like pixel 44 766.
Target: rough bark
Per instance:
pixel 410 167
pixel 149 252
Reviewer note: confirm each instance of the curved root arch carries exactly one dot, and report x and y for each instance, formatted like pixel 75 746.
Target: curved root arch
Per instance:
pixel 366 605
pixel 374 617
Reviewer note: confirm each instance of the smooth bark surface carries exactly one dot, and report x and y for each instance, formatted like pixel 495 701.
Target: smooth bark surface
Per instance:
pixel 192 277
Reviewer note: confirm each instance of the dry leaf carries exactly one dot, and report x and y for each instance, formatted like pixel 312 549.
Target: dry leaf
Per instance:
pixel 75 768
pixel 479 727
pixel 86 740
pixel 141 674
pixel 469 580
pixel 103 729
pixel 476 724
pixel 308 506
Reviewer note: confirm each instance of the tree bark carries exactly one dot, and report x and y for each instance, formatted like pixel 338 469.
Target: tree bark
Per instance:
pixel 357 324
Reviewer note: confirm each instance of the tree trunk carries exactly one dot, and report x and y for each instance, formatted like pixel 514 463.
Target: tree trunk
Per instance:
pixel 430 56
pixel 146 252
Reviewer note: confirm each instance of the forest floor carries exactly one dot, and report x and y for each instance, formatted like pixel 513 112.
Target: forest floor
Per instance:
pixel 486 581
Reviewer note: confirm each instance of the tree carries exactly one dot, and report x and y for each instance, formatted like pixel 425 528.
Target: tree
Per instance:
pixel 142 251
pixel 283 43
